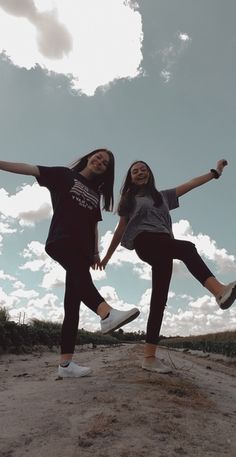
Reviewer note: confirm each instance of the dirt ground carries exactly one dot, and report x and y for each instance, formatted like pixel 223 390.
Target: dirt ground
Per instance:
pixel 120 410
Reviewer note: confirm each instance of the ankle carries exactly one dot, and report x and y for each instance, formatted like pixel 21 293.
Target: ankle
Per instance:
pixel 66 358
pixel 214 286
pixel 150 350
pixel 103 309
pixel 65 363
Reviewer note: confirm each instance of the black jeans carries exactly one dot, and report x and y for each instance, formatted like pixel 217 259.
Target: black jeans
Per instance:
pixel 159 250
pixel 79 287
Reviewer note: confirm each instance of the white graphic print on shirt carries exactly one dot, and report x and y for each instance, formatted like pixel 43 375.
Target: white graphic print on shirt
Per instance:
pixel 86 197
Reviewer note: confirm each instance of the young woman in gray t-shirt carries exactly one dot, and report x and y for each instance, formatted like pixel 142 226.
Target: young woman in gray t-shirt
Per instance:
pixel 145 225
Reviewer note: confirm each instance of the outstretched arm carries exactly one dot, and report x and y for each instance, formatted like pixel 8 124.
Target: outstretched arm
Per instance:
pixel 200 180
pixel 116 239
pixel 20 168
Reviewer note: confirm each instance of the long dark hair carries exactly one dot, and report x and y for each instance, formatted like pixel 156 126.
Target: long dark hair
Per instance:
pixel 104 182
pixel 129 190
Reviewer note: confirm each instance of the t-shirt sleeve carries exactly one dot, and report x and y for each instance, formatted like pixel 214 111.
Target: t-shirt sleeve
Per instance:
pixel 55 178
pixel 171 198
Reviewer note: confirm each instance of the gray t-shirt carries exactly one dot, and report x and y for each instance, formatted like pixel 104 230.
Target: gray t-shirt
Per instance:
pixel 146 217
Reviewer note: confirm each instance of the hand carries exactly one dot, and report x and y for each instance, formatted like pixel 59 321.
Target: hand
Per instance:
pixel 96 262
pixel 220 165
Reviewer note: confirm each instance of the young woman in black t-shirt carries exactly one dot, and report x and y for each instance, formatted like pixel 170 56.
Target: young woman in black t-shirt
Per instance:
pixel 73 241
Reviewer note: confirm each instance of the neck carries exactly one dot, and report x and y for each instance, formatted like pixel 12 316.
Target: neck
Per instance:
pixel 87 173
pixel 142 190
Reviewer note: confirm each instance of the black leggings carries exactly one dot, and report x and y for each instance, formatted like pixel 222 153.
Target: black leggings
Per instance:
pixel 159 250
pixel 79 287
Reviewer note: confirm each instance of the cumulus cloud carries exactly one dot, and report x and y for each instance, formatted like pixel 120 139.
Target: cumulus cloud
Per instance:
pixel 121 255
pixel 171 54
pixel 207 248
pixel 94 43
pixel 4 228
pixel 47 307
pixel 18 285
pixel 22 293
pixel 203 316
pixel 27 206
pixel 53 39
pixel 5 276
pixel 7 301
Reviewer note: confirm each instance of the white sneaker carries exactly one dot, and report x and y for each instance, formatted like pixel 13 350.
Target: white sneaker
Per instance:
pixel 156 366
pixel 117 319
pixel 73 371
pixel 226 298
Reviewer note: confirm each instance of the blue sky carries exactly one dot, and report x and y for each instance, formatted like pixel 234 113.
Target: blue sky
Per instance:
pixel 151 80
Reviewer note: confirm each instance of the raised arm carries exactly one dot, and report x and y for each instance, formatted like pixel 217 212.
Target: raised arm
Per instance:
pixel 203 179
pixel 20 168
pixel 116 239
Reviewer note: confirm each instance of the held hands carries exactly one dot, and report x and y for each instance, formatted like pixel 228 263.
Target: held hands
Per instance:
pixel 98 264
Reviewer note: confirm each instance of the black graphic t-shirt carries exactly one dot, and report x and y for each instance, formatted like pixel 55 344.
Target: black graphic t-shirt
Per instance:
pixel 76 207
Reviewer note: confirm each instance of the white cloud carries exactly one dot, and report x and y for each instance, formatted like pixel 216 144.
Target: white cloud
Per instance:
pixel 35 248
pixel 22 293
pixel 28 205
pixel 6 300
pixel 92 42
pixel 55 277
pixel 52 38
pixel 121 254
pixel 166 75
pixel 172 53
pixel 4 228
pixel 206 247
pixel 18 285
pixel 47 307
pixel 143 271
pixel 184 37
pixel 5 276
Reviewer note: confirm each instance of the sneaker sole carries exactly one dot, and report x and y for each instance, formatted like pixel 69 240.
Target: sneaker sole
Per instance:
pixel 229 300
pixel 73 376
pixel 122 322
pixel 156 370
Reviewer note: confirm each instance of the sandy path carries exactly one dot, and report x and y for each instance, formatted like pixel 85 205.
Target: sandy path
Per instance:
pixel 120 410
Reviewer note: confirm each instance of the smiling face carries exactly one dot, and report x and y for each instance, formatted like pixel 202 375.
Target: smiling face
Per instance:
pixel 98 162
pixel 139 174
